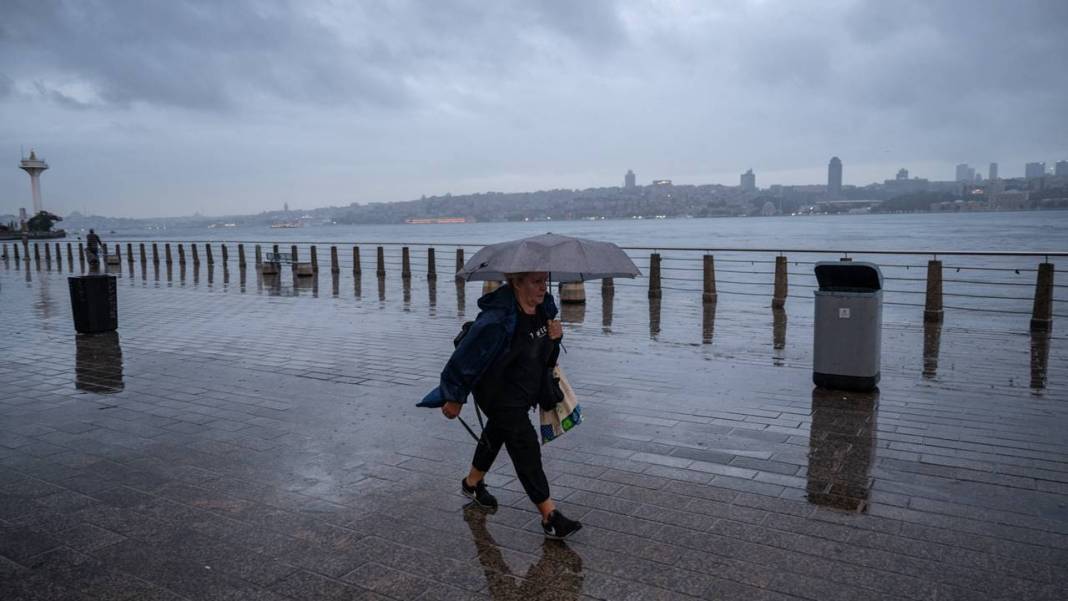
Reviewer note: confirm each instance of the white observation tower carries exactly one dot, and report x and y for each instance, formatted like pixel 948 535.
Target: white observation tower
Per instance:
pixel 34 167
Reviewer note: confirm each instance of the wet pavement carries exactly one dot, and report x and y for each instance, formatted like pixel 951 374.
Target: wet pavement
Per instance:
pixel 243 438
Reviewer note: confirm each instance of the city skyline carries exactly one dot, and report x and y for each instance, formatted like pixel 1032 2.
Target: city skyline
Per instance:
pixel 245 105
pixel 747 182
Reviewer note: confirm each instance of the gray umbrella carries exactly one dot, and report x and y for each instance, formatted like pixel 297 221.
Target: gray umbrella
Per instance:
pixel 566 259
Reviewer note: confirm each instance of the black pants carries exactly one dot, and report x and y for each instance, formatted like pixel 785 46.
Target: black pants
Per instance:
pixel 512 428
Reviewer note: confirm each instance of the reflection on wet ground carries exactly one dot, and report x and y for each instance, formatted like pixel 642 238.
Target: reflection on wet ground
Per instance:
pixel 708 322
pixel 654 318
pixel 557 573
pixel 778 336
pixel 606 313
pixel 1040 342
pixel 98 363
pixel 291 461
pixel 932 340
pixel 574 313
pixel 841 448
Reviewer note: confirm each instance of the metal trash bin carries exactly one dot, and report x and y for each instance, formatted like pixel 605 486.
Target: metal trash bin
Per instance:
pixel 848 328
pixel 94 303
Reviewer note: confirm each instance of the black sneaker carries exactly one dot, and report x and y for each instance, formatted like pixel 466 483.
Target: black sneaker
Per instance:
pixel 478 494
pixel 559 527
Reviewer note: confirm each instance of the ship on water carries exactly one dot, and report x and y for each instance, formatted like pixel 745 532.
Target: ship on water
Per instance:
pixel 435 220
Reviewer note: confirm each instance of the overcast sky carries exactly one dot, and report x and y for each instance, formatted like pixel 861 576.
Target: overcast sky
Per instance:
pixel 166 108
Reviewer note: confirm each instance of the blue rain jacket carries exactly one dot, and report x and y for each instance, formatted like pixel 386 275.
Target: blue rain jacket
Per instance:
pixel 490 336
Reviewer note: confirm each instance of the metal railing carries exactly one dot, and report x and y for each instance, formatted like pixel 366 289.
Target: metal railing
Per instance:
pixel 989 281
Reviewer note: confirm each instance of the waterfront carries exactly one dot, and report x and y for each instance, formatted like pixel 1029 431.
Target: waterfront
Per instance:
pixel 1029 230
pixel 243 437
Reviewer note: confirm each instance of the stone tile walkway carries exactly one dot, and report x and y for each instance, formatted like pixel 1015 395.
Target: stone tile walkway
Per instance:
pixel 259 441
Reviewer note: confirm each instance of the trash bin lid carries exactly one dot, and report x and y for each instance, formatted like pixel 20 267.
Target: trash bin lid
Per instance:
pixel 849 276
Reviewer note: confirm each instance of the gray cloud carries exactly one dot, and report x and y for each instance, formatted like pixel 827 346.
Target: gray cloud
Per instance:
pixel 388 100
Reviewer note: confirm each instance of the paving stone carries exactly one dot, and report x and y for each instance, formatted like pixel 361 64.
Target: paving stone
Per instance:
pixel 240 458
pixel 20 544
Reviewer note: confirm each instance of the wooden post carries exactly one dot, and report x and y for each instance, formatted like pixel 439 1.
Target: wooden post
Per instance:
pixel 654 276
pixel 225 255
pixel 275 250
pixel 118 251
pixel 406 264
pixel 37 252
pixel 167 254
pixel 334 266
pixel 293 255
pixel 608 287
pixel 1042 314
pixel 155 254
pixel 59 255
pixel 357 269
pixel 181 255
pixel 5 251
pixel 142 248
pixel 48 254
pixel 709 295
pixel 431 264
pixel 459 262
pixel 778 295
pixel 932 309
pixel 16 247
pixel 129 253
pixel 381 271
pixel 241 256
pixel 208 256
pixel 70 253
pixel 81 253
pixel 259 255
pixel 314 259
pixel 196 255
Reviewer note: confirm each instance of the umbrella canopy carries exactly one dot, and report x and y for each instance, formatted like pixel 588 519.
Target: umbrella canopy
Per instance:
pixel 567 259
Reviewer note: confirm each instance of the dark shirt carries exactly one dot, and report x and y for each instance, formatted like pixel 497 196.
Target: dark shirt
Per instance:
pixel 524 375
pixel 93 241
pixel 515 379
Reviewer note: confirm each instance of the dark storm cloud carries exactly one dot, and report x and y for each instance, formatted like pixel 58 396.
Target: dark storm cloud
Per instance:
pixel 199 55
pixel 389 99
pixel 208 55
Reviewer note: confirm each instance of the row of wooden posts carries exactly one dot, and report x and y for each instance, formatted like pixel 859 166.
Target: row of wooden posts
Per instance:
pixel 1041 316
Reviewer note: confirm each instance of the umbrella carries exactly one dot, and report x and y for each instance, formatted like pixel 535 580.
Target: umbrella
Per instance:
pixel 567 259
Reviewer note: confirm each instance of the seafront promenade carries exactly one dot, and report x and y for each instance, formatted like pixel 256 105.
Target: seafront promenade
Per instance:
pixel 244 437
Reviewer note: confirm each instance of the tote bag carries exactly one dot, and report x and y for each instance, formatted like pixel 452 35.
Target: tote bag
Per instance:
pixel 566 415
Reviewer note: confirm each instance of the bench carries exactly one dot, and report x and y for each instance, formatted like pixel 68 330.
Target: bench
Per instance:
pixel 272 264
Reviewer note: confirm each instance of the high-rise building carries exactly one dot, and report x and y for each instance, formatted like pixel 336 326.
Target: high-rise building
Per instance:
pixel 902 174
pixel 1060 169
pixel 749 181
pixel 965 173
pixel 834 177
pixel 629 180
pixel 1035 170
pixel 992 172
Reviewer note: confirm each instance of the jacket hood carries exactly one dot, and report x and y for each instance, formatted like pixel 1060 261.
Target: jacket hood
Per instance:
pixel 503 298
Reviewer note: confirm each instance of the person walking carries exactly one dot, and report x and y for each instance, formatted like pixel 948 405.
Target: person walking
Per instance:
pixel 506 360
pixel 93 246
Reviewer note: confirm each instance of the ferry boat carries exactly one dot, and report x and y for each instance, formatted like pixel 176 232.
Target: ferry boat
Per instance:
pixel 423 221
